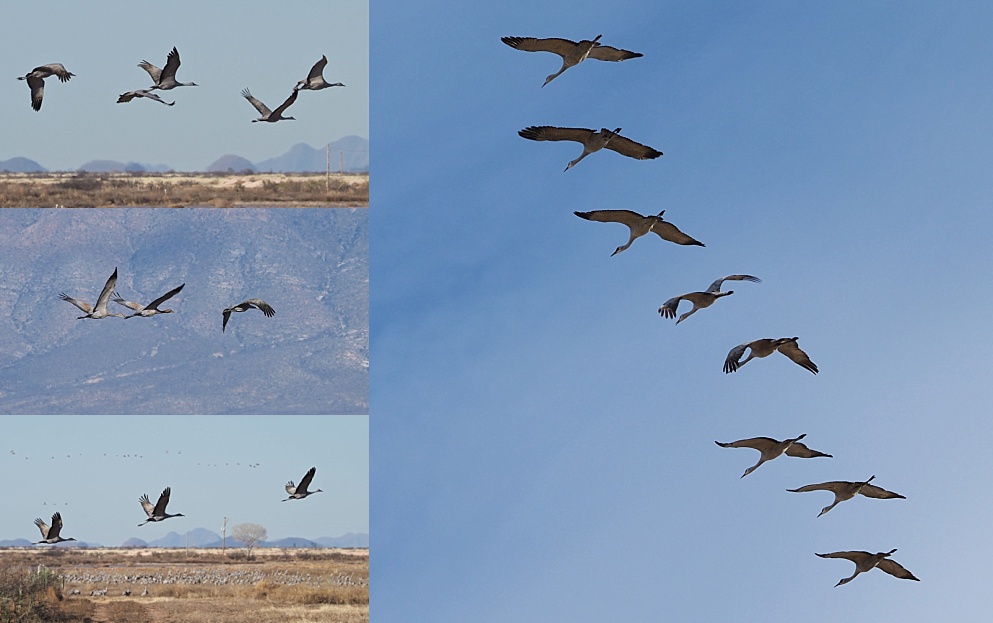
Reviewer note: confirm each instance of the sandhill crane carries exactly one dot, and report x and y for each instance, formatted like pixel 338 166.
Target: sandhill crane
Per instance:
pixel 147 93
pixel 844 490
pixel 50 534
pixel 100 310
pixel 270 115
pixel 315 79
pixel 702 300
pixel 765 347
pixel 247 305
pixel 592 141
pixel 864 561
pixel 572 53
pixel 299 492
pixel 165 78
pixel 157 512
pixel 36 80
pixel 770 449
pixel 152 308
pixel 639 226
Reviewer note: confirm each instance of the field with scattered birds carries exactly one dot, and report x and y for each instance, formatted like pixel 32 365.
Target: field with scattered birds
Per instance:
pixel 188 586
pixel 178 190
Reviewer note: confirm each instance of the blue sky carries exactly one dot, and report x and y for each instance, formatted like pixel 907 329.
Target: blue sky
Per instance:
pixel 89 470
pixel 224 47
pixel 543 442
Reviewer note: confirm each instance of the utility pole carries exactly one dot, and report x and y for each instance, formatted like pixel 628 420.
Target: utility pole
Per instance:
pixel 224 536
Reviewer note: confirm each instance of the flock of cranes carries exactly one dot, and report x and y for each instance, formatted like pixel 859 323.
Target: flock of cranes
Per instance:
pixel 52 534
pixel 572 54
pixel 164 79
pixel 99 310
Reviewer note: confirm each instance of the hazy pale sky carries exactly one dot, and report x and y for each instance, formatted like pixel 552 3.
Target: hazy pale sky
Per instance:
pixel 94 469
pixel 224 47
pixel 550 439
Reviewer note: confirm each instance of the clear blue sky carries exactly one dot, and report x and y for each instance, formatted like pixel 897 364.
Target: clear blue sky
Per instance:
pixel 224 46
pixel 93 470
pixel 543 442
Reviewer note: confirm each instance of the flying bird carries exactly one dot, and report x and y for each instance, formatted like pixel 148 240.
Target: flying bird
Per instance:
pixel 249 304
pixel 844 490
pixel 100 310
pixel 639 226
pixel 147 93
pixel 157 512
pixel 152 308
pixel 864 561
pixel 299 492
pixel 771 448
pixel 592 141
pixel 165 78
pixel 315 79
pixel 702 300
pixel 765 347
pixel 36 80
pixel 50 534
pixel 572 52
pixel 270 115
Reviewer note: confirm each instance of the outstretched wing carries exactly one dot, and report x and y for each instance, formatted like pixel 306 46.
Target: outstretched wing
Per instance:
pixel 172 64
pixel 289 102
pixel 165 297
pixel 259 106
pixel 305 481
pixel 756 443
pixel 291 488
pixel 668 309
pixel 733 361
pixel 53 532
pixel 853 556
pixel 895 569
pixel 555 45
pixel 792 350
pixel 85 307
pixel 147 505
pixel 262 306
pixel 802 451
pixel 833 486
pixel 608 53
pixel 130 304
pixel 627 217
pixel 42 526
pixel 152 70
pixel 551 133
pixel 160 506
pixel 716 286
pixel 872 491
pixel 318 69
pixel 37 91
pixel 627 147
pixel 668 231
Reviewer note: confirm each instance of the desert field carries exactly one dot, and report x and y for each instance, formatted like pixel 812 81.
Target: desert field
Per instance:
pixel 177 190
pixel 149 585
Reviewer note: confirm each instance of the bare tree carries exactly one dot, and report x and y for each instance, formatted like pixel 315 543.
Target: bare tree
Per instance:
pixel 251 534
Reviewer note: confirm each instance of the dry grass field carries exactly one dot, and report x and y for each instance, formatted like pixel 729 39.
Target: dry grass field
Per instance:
pixel 177 190
pixel 195 586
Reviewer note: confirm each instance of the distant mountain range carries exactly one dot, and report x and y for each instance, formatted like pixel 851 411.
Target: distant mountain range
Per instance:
pixel 349 154
pixel 203 538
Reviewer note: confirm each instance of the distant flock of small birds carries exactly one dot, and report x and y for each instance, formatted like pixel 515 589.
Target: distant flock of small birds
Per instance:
pixel 52 534
pixel 100 310
pixel 572 54
pixel 165 79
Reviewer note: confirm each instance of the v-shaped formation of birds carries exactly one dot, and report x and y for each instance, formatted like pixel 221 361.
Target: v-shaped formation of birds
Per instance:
pixel 165 79
pixel 573 53
pixel 100 310
pixel 52 534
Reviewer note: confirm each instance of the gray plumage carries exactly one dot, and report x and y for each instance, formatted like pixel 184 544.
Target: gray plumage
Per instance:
pixel 572 52
pixel 864 561
pixel 152 308
pixel 145 93
pixel 258 304
pixel 765 347
pixel 844 490
pixel 36 80
pixel 315 79
pixel 165 78
pixel 299 492
pixel 100 309
pixel 271 116
pixel 591 140
pixel 702 300
pixel 51 534
pixel 640 225
pixel 157 512
pixel 770 449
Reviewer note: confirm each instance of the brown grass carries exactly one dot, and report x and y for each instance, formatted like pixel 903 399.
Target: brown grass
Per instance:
pixel 76 190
